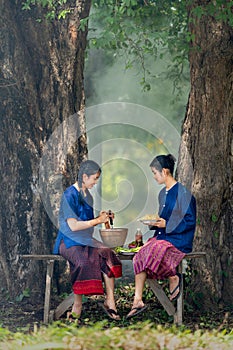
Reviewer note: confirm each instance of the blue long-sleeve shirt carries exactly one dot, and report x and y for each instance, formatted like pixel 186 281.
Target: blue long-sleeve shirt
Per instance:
pixel 74 206
pixel 178 207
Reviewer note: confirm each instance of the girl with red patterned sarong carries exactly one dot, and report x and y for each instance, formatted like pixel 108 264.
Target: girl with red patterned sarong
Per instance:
pixel 90 261
pixel 173 237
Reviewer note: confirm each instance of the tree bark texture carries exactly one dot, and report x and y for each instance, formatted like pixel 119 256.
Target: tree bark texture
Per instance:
pixel 206 153
pixel 41 86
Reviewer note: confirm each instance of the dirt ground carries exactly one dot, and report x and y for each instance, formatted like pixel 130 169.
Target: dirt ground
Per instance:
pixel 19 315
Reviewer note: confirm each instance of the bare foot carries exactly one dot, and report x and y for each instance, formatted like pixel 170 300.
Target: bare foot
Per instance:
pixel 76 310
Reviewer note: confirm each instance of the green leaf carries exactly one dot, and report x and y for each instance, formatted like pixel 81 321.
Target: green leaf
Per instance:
pixel 214 218
pixel 62 14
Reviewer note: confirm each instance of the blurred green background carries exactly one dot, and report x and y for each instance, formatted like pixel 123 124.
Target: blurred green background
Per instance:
pixel 125 149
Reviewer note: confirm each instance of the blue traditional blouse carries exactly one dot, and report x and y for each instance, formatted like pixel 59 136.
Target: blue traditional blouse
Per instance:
pixel 73 205
pixel 178 207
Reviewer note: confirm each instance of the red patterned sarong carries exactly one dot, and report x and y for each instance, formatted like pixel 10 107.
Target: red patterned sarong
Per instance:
pixel 87 265
pixel 158 258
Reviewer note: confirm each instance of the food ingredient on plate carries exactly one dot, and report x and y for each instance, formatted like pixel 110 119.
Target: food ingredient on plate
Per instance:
pixel 149 217
pixel 132 245
pixel 127 250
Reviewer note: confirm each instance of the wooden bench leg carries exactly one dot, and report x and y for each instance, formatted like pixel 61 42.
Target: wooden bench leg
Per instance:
pixel 178 317
pixel 49 276
pixel 63 306
pixel 177 312
pixel 162 297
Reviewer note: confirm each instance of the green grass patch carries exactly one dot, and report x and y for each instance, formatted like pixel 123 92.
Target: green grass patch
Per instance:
pixel 140 335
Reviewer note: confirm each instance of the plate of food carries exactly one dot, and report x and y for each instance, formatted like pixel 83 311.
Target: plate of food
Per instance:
pixel 149 219
pixel 127 253
pixel 148 222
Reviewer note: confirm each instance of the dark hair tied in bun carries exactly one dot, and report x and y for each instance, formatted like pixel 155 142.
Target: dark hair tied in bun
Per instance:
pixel 164 162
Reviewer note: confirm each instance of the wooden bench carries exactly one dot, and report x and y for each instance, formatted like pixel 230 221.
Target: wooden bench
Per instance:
pixel 50 315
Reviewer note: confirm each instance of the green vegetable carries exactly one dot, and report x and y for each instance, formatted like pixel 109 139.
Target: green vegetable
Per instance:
pixel 128 250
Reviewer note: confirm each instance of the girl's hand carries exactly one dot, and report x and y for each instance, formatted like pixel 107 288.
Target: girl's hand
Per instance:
pixel 103 217
pixel 160 223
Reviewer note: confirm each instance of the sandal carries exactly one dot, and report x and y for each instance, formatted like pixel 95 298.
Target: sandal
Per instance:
pixel 136 311
pixel 110 312
pixel 179 286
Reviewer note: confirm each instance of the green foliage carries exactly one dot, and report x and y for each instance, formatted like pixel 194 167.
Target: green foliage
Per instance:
pixel 214 218
pixel 142 31
pixel 139 30
pixel 5 334
pixel 54 9
pixel 141 335
pixel 25 294
pixel 219 9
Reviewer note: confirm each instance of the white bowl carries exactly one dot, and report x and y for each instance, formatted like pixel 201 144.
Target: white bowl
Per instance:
pixel 113 237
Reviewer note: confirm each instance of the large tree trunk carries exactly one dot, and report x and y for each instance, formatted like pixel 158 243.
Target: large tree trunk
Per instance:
pixel 41 81
pixel 206 147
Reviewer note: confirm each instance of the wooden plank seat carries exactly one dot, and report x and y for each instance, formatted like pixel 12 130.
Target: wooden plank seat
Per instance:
pixel 50 315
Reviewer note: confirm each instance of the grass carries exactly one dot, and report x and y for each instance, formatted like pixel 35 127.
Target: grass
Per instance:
pixel 140 335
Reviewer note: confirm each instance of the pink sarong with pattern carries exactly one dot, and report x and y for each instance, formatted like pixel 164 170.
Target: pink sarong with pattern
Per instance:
pixel 158 258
